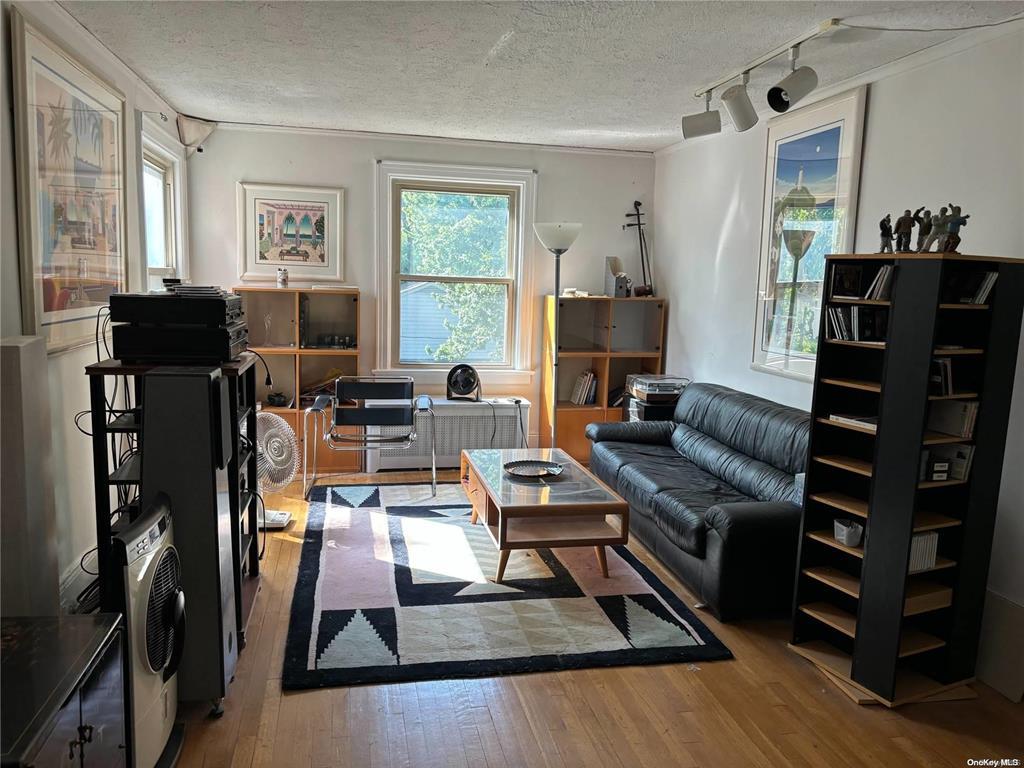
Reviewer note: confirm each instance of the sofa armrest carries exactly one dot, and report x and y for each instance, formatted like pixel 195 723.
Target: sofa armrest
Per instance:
pixel 751 558
pixel 745 520
pixel 658 432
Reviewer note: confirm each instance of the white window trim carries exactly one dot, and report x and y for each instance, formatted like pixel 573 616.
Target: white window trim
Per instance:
pixel 520 372
pixel 156 142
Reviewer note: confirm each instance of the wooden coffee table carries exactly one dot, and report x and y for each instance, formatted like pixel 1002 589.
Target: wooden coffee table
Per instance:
pixel 574 509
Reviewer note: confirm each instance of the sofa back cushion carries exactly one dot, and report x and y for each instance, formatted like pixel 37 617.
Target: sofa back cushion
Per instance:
pixel 750 476
pixel 773 434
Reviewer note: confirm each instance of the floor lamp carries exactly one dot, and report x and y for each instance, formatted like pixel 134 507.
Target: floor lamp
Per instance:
pixel 557 238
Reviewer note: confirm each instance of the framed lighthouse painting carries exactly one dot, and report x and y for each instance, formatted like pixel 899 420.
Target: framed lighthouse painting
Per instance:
pixel 810 202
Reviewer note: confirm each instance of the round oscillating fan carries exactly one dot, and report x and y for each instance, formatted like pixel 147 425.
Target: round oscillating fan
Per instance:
pixel 277 462
pixel 463 383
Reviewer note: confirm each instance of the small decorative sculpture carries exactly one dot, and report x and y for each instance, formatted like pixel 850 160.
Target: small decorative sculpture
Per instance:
pixel 885 229
pixel 938 230
pixel 924 225
pixel 956 220
pixel 904 228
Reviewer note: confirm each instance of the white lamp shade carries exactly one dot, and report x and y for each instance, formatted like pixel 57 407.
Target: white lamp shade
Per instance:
pixel 737 103
pixel 792 88
pixel 701 124
pixel 557 236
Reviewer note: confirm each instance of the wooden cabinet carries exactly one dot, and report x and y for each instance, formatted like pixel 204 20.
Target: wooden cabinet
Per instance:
pixel 611 337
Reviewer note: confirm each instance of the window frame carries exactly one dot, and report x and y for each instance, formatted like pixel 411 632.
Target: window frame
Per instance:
pixel 160 149
pixel 166 171
pixel 520 185
pixel 398 186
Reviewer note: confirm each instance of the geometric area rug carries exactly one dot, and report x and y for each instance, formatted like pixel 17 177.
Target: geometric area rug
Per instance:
pixel 397 585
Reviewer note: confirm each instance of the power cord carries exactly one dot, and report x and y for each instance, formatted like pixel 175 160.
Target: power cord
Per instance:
pixel 522 429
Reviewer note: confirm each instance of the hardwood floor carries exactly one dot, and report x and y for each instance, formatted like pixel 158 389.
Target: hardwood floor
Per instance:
pixel 768 707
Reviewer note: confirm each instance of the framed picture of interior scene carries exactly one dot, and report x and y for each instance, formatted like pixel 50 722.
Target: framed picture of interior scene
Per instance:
pixel 69 134
pixel 810 202
pixel 298 228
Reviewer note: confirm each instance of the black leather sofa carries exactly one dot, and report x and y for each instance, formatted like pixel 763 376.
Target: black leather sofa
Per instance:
pixel 711 493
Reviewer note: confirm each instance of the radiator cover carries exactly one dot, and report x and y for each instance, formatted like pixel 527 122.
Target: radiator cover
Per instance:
pixel 460 425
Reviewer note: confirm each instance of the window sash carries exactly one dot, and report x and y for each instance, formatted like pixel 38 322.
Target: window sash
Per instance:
pixel 166 171
pixel 454 187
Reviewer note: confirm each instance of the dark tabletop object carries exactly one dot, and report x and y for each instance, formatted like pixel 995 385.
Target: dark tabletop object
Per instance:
pixel 42 660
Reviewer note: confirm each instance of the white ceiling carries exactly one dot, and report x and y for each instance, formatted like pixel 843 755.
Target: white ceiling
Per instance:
pixel 585 74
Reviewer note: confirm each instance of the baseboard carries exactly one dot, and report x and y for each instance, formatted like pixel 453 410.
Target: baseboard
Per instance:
pixel 1001 653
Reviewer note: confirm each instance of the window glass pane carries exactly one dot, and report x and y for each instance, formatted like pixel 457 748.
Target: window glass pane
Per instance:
pixel 454 233
pixel 155 215
pixel 453 322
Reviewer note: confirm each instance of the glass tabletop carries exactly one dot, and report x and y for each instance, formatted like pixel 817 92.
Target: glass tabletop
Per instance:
pixel 575 486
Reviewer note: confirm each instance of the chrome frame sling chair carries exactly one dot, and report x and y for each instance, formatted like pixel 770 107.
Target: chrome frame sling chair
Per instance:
pixel 391 404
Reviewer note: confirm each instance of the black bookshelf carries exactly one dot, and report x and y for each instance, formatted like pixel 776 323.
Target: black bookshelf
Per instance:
pixel 859 614
pixel 242 474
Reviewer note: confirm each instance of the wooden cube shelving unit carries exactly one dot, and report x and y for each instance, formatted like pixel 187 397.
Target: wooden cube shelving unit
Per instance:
pixel 299 317
pixel 612 336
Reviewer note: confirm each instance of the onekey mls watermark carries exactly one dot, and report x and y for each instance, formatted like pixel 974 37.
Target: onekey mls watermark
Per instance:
pixel 994 762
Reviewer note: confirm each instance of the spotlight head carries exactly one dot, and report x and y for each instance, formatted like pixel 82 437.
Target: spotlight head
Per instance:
pixel 792 88
pixel 703 123
pixel 741 110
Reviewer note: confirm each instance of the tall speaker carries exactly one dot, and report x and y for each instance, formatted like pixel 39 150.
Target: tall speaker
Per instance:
pixel 186 445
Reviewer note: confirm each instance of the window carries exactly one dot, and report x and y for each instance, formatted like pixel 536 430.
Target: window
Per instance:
pixel 163 204
pixel 453 281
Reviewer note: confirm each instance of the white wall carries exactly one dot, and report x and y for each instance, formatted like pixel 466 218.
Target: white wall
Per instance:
pixel 69 392
pixel 595 188
pixel 949 129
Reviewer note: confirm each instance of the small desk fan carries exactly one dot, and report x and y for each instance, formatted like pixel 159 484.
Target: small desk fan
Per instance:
pixel 277 463
pixel 463 383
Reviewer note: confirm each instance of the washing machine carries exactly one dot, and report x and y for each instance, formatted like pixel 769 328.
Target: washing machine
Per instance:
pixel 154 608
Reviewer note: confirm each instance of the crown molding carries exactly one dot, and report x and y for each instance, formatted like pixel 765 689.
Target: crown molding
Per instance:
pixel 375 136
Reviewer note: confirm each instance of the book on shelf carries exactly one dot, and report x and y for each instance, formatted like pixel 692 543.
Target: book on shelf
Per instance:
pixel 867 422
pixel 970 287
pixel 953 417
pixel 584 391
pixel 881 286
pixel 940 379
pixel 953 461
pixel 846 281
pixel 862 324
pixel 924 550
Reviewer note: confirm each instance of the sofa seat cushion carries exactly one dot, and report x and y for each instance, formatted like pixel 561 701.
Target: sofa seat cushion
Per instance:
pixel 679 514
pixel 606 459
pixel 641 482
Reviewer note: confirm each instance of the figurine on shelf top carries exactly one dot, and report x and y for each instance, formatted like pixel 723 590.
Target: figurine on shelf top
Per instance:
pixel 924 225
pixel 885 231
pixel 938 230
pixel 903 229
pixel 956 220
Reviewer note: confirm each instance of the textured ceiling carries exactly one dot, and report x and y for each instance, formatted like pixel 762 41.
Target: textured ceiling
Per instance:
pixel 585 74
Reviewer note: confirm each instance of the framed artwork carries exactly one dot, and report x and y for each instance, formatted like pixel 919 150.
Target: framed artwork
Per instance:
pixel 810 202
pixel 294 227
pixel 69 133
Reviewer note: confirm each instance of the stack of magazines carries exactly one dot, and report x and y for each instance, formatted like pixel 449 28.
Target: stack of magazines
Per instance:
pixel 585 390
